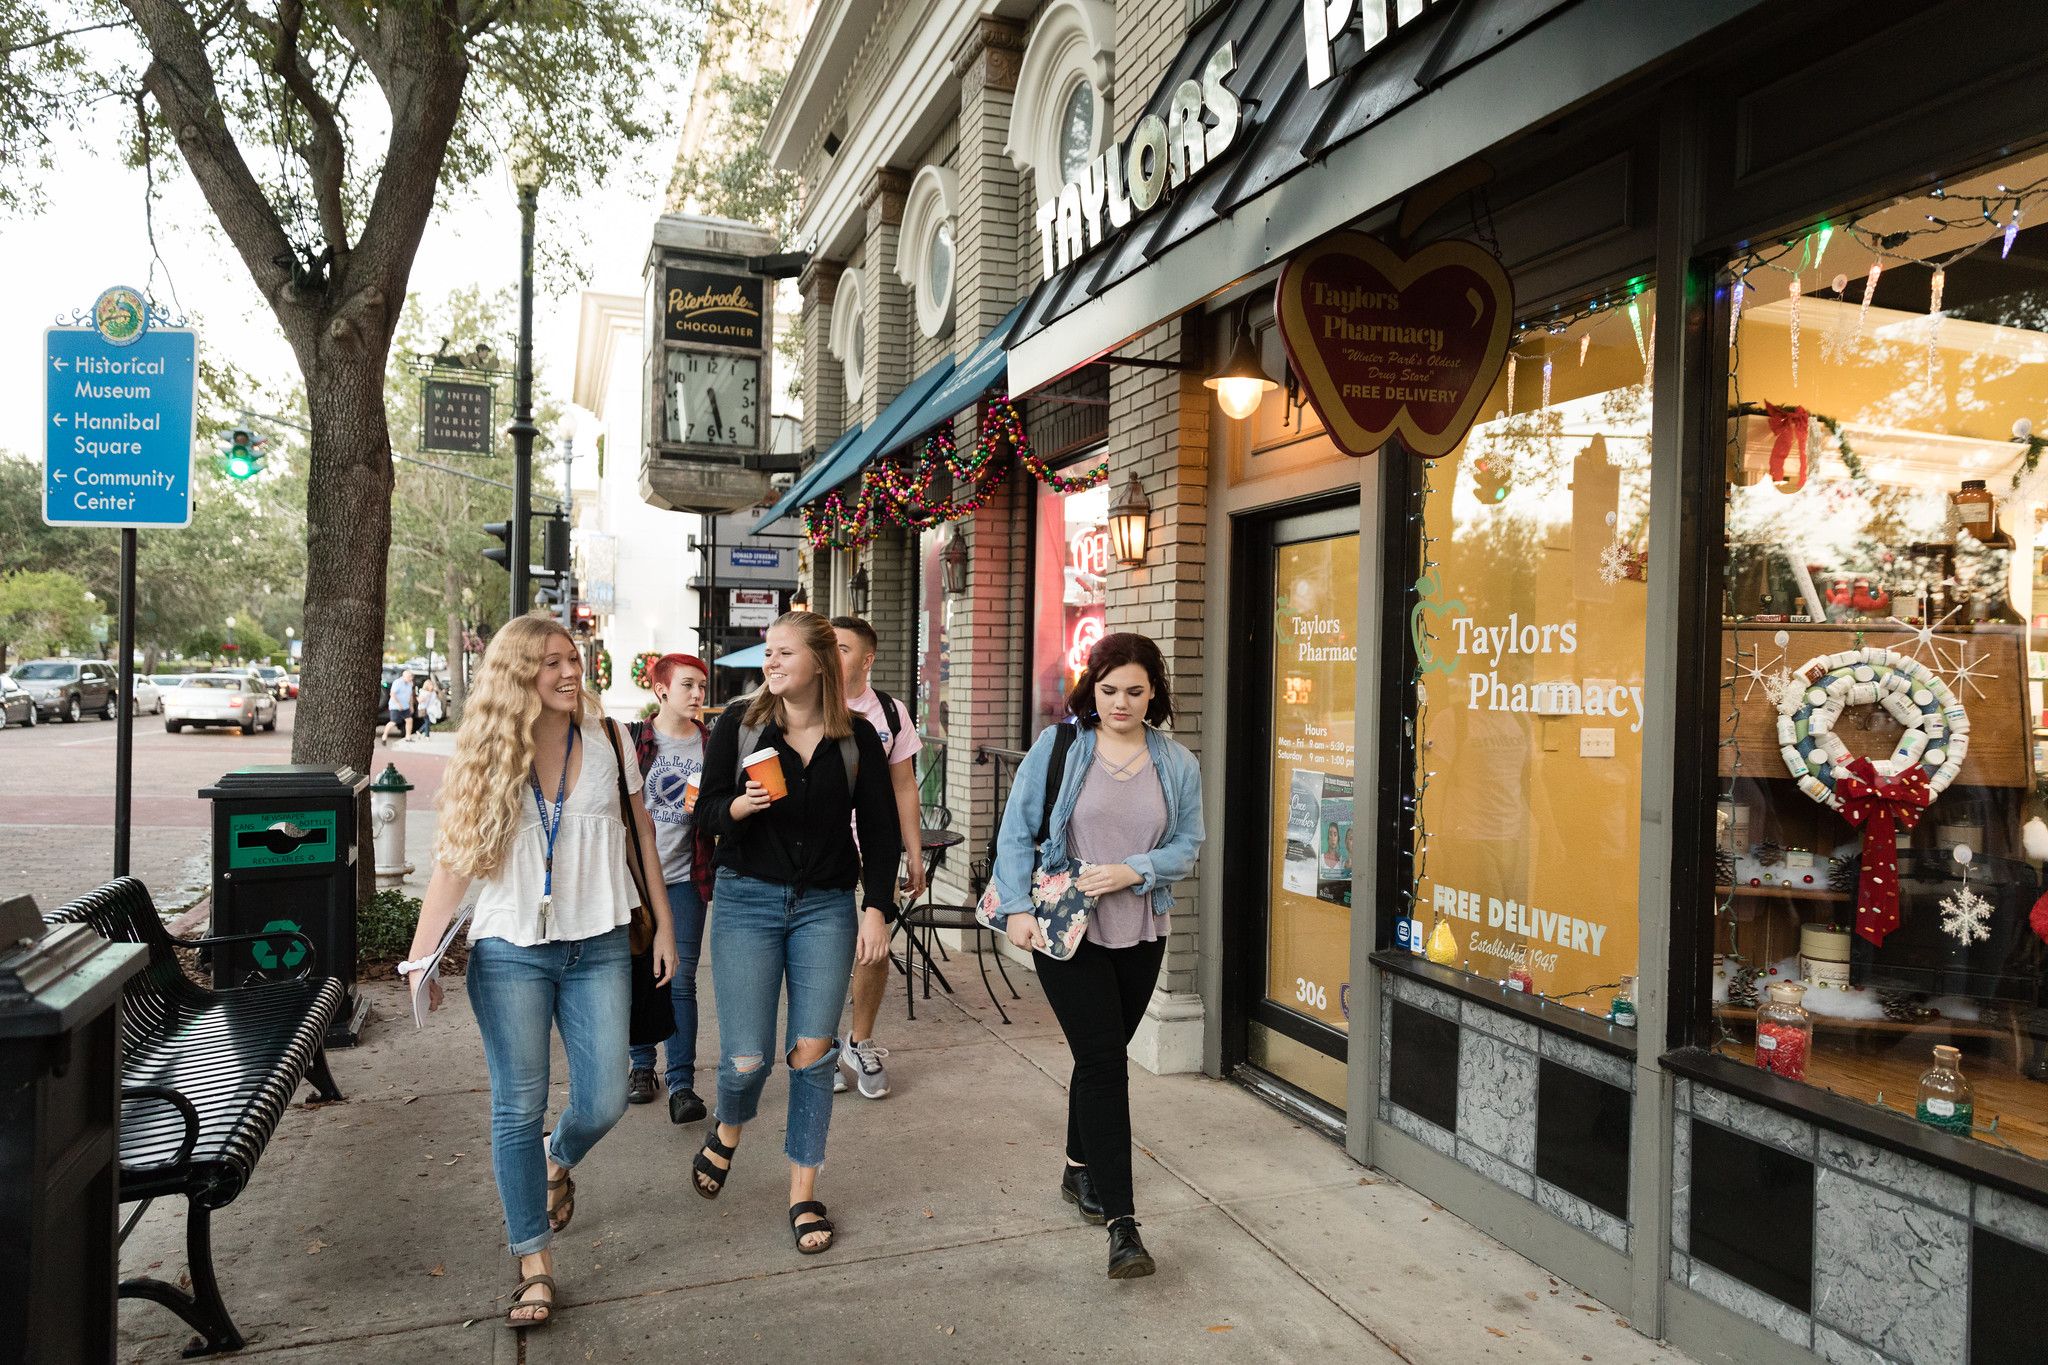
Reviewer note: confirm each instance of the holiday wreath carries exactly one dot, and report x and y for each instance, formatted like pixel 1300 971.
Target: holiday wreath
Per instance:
pixel 1889 794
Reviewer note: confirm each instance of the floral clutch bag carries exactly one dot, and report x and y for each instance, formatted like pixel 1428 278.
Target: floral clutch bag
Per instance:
pixel 1060 906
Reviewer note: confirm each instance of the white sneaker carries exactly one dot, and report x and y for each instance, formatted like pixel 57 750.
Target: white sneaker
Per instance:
pixel 865 1061
pixel 839 1072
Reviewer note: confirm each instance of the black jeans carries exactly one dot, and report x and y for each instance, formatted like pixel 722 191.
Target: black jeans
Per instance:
pixel 1099 995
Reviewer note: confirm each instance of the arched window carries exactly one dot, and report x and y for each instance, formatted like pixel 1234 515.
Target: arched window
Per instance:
pixel 848 335
pixel 1060 118
pixel 924 254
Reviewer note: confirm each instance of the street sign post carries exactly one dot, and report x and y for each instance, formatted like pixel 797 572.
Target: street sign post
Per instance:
pixel 120 415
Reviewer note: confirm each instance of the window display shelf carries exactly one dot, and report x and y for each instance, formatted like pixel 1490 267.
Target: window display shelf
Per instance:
pixel 1897 1078
pixel 1790 893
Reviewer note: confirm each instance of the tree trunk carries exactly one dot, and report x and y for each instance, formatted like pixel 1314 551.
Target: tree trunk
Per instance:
pixel 348 540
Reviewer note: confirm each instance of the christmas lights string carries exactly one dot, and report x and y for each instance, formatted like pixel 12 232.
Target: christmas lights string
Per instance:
pixel 892 495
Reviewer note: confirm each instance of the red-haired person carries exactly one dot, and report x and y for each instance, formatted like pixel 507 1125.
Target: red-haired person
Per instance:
pixel 670 748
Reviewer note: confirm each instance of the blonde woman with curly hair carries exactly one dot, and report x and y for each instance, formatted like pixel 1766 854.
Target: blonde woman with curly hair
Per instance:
pixel 787 776
pixel 533 818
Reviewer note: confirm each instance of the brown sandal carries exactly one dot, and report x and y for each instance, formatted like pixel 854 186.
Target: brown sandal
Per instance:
pixel 562 1210
pixel 547 1305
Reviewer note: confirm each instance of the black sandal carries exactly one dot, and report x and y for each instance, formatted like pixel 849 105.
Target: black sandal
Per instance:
pixel 701 1164
pixel 802 1230
pixel 562 1210
pixel 547 1305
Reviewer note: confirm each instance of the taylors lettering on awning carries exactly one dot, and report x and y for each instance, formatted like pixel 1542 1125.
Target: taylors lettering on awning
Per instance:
pixel 800 491
pixel 852 456
pixel 1319 133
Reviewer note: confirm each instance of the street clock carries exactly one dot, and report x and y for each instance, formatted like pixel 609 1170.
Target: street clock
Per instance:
pixel 710 345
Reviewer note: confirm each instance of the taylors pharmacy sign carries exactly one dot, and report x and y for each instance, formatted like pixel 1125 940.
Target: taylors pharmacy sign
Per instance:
pixel 1202 123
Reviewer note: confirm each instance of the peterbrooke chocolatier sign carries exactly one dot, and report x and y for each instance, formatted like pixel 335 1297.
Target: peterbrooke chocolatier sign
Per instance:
pixel 1201 124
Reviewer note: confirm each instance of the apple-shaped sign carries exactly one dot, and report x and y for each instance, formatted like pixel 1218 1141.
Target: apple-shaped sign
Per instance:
pixel 1391 346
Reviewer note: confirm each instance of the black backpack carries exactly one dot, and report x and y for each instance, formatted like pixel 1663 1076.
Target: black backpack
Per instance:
pixel 1055 776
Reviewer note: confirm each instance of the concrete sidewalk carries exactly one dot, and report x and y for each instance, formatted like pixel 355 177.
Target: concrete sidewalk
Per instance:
pixel 371 1230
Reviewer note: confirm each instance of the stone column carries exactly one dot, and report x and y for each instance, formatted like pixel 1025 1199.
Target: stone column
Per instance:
pixel 885 314
pixel 986 217
pixel 891 560
pixel 824 381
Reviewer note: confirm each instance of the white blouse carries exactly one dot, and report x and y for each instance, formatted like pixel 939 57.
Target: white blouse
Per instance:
pixel 593 887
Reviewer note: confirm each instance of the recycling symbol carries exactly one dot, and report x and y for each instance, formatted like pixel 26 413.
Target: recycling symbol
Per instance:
pixel 267 957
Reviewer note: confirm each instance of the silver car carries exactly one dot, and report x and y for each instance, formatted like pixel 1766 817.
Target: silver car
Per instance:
pixel 220 699
pixel 17 707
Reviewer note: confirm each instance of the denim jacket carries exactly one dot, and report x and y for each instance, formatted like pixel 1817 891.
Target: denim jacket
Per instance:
pixel 1180 780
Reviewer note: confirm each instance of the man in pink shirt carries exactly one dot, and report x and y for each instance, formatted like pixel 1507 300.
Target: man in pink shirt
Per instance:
pixel 891 719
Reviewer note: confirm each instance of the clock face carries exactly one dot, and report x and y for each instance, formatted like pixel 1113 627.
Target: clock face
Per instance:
pixel 714 399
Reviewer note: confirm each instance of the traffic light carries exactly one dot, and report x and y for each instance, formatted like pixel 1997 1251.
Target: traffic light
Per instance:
pixel 243 459
pixel 584 619
pixel 555 543
pixel 550 596
pixel 501 553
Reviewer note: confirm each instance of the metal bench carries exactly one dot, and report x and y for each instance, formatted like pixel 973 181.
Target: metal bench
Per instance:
pixel 205 1077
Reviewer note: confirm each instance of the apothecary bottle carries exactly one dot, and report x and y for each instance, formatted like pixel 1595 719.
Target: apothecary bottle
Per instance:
pixel 1784 1032
pixel 1945 1101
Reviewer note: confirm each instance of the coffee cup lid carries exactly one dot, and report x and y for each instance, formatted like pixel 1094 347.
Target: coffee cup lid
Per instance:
pixel 755 757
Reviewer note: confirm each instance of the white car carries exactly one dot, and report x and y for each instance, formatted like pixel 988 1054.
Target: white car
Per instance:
pixel 149 698
pixel 221 699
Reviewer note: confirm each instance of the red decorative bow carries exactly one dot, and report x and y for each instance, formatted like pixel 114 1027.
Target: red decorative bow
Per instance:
pixel 1788 429
pixel 1881 808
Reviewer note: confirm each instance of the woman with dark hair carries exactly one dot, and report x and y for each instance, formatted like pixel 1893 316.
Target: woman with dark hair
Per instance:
pixel 788 775
pixel 1126 803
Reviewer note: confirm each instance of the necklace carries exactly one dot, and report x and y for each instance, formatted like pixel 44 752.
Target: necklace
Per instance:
pixel 1125 770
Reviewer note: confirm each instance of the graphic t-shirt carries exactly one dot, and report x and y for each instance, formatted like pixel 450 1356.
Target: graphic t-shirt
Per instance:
pixel 676 761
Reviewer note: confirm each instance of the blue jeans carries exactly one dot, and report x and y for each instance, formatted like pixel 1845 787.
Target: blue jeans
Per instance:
pixel 584 987
pixel 686 909
pixel 763 932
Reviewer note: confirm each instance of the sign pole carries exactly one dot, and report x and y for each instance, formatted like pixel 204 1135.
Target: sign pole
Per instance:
pixel 124 718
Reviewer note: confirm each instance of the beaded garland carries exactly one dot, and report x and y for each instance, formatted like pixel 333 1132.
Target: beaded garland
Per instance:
pixel 892 495
pixel 1937 733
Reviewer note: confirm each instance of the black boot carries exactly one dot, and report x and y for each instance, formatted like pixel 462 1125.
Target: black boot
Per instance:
pixel 1077 1189
pixel 1128 1259
pixel 684 1106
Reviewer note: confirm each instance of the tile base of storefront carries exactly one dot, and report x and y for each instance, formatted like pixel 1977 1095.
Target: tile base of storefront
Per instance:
pixel 1169 1038
pixel 1713 1335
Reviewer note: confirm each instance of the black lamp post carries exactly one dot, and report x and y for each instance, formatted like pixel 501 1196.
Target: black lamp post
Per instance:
pixel 859 584
pixel 526 178
pixel 953 564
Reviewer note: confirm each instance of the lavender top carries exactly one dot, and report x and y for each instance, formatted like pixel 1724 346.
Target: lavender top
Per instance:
pixel 1114 820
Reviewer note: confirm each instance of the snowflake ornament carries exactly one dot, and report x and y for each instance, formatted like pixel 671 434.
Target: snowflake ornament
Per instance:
pixel 1773 677
pixel 1967 672
pixel 1777 685
pixel 1928 637
pixel 1614 562
pixel 1965 917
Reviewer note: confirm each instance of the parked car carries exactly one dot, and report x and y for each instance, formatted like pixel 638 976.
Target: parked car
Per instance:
pixel 166 682
pixel 277 680
pixel 291 683
pixel 149 698
pixel 17 707
pixel 68 688
pixel 207 699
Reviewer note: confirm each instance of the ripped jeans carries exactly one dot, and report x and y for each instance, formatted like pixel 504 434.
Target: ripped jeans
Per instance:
pixel 761 934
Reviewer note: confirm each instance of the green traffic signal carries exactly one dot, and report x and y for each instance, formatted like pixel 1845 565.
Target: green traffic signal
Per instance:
pixel 240 460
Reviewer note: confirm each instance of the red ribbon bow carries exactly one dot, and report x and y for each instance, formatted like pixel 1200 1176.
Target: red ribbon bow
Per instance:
pixel 1882 808
pixel 1788 429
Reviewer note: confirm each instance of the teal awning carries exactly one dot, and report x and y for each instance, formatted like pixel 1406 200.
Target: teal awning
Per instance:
pixel 753 656
pixel 884 432
pixel 986 365
pixel 806 483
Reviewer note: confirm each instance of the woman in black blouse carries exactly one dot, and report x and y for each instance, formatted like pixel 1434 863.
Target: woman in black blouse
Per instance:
pixel 784 905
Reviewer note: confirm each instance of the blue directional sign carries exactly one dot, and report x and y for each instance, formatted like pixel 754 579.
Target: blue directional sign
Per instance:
pixel 119 426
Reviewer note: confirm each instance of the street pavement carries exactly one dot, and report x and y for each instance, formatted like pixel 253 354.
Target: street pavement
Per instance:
pixel 57 803
pixel 371 1230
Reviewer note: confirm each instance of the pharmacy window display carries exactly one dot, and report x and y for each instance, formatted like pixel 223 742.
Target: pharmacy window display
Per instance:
pixel 1528 626
pixel 1069 584
pixel 1879 911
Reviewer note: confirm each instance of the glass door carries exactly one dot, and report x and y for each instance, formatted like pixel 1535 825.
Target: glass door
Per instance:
pixel 1290 867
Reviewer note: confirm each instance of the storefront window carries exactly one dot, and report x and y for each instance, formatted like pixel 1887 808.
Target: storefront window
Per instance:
pixel 934 621
pixel 1528 626
pixel 1068 579
pixel 1882 728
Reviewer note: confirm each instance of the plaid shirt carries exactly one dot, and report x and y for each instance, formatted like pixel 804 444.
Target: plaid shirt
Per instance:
pixel 644 750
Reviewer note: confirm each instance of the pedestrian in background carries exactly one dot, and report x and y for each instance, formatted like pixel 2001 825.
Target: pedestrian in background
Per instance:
pixel 398 708
pixel 532 819
pixel 786 891
pixel 858 643
pixel 1126 803
pixel 430 707
pixel 670 752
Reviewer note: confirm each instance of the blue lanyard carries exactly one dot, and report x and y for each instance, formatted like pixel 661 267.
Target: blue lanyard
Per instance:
pixel 549 831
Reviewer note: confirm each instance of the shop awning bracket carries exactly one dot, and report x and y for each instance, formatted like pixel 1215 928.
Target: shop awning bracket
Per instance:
pixel 1143 363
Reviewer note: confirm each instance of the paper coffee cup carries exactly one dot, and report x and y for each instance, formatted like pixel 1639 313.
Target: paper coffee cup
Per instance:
pixel 690 792
pixel 765 767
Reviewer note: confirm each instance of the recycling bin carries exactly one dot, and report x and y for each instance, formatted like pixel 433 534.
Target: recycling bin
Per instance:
pixel 284 858
pixel 60 1104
